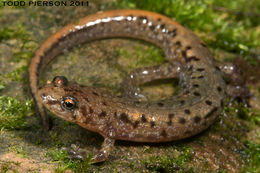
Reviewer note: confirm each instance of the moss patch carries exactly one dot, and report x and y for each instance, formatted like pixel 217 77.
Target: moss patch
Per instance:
pixel 169 163
pixel 13 112
pixel 65 163
pixel 251 154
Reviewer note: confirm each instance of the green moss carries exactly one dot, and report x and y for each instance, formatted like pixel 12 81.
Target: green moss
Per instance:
pixel 219 30
pixel 61 156
pixel 241 10
pixel 169 163
pixel 13 112
pixel 154 55
pixel 246 113
pixel 2 85
pixel 15 75
pixel 143 55
pixel 11 32
pixel 25 48
pixel 8 166
pixel 18 150
pixel 251 155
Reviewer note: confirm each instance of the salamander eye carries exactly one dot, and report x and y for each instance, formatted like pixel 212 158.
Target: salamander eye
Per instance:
pixel 69 103
pixel 59 81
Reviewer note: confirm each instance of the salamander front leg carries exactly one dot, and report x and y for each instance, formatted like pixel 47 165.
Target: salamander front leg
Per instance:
pixel 105 151
pixel 46 121
pixel 146 74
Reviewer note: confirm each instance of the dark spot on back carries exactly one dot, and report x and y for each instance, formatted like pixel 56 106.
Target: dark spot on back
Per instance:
pixel 200 69
pixel 178 43
pixel 163 133
pixel 135 125
pixel 75 93
pixel 200 77
pixel 103 114
pixel 170 116
pixel 143 119
pixel 211 112
pixel 142 17
pixel 152 27
pixel 160 104
pixel 137 102
pixel 91 110
pixel 124 118
pixel 104 103
pixel 162 26
pixel 182 102
pixel 187 111
pixel 187 92
pixel 152 123
pixel 196 85
pixel 196 93
pixel 197 119
pixel 208 102
pixel 188 47
pixel 182 120
pixel 219 89
pixel 172 32
pixel 221 103
pixel 93 92
pixel 183 53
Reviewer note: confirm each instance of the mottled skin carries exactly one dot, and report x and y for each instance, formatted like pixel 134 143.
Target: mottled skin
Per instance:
pixel 195 108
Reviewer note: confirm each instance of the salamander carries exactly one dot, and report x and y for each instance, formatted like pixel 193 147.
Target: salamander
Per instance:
pixel 195 107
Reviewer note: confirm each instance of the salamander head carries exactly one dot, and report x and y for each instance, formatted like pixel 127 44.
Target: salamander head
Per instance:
pixel 65 99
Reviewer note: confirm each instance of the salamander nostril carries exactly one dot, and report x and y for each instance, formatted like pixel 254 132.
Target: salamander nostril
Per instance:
pixel 43 95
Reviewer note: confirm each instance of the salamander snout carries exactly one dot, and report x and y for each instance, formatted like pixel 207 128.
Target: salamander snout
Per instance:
pixel 60 97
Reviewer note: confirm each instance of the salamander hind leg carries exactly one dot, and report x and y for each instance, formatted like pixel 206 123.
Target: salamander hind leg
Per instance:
pixel 236 88
pixel 146 74
pixel 105 151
